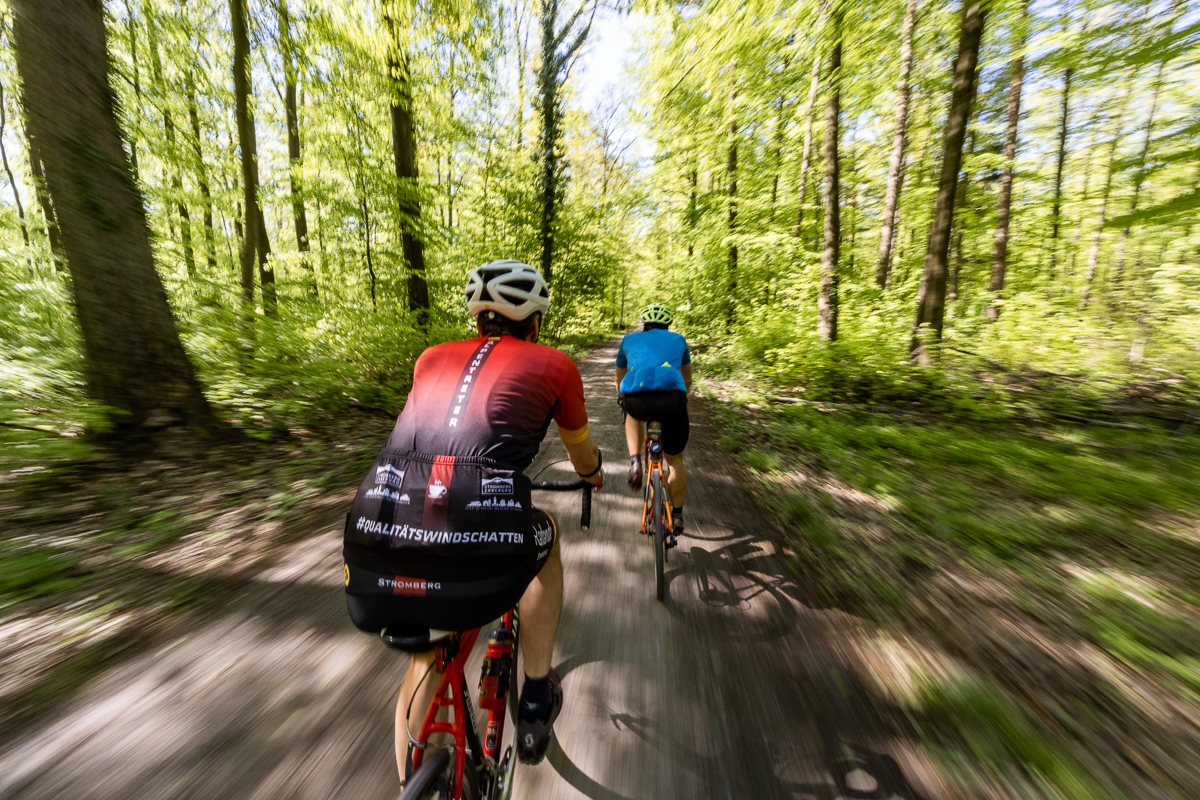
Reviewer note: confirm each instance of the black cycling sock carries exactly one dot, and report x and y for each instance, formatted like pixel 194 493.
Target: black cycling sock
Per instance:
pixel 536 701
pixel 677 514
pixel 634 459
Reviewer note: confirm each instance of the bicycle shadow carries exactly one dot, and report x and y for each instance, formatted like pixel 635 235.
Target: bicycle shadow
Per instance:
pixel 859 773
pixel 746 591
pixel 738 589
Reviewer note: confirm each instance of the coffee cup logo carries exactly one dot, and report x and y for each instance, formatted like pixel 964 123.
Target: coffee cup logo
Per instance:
pixel 437 491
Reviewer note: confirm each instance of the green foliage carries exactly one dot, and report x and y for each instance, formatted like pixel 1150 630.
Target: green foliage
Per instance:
pixel 1000 735
pixel 744 93
pixel 31 572
pixel 760 460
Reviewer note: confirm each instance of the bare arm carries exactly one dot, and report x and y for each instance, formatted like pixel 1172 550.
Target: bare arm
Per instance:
pixel 686 369
pixel 584 454
pixel 620 377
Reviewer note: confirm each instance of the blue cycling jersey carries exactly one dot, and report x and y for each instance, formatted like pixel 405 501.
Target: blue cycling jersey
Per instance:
pixel 653 359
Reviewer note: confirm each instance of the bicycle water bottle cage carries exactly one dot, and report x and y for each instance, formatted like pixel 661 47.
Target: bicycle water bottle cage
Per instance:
pixel 412 638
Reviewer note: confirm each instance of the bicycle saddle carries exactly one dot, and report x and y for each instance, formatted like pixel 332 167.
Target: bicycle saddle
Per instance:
pixel 412 638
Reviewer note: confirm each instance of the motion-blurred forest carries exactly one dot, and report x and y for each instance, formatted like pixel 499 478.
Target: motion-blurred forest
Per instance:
pixel 942 256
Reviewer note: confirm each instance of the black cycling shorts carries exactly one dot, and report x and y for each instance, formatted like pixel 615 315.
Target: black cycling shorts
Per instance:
pixel 669 408
pixel 460 606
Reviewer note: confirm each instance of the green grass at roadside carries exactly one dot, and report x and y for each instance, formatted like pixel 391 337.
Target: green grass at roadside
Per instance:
pixel 1087 536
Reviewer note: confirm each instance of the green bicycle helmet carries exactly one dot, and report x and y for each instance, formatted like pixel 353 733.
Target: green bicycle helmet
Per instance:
pixel 657 312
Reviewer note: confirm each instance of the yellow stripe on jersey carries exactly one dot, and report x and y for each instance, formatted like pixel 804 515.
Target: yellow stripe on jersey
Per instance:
pixel 573 437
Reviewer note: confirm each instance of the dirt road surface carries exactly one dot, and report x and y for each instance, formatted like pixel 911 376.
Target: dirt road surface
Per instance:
pixel 738 686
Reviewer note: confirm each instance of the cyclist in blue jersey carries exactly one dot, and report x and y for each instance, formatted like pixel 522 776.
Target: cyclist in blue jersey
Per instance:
pixel 654 375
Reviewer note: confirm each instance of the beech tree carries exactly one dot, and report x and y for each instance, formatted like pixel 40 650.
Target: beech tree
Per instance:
pixel 287 51
pixel 556 62
pixel 814 85
pixel 254 241
pixel 931 297
pixel 134 361
pixel 1004 202
pixel 827 297
pixel 899 139
pixel 388 148
pixel 404 151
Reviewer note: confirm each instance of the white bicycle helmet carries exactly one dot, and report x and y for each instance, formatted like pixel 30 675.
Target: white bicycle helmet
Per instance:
pixel 510 288
pixel 657 312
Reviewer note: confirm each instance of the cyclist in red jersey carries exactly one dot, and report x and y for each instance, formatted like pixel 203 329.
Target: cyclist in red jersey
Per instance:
pixel 442 532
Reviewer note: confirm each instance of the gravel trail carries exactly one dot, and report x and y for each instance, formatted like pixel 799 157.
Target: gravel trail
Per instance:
pixel 736 687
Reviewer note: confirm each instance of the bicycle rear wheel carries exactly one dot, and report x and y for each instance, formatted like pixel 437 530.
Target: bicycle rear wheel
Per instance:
pixel 515 673
pixel 433 780
pixel 660 533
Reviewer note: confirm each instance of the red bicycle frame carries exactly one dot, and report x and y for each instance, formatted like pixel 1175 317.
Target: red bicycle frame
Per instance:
pixel 451 693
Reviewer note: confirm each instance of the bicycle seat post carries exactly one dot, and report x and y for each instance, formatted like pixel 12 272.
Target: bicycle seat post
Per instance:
pixel 654 434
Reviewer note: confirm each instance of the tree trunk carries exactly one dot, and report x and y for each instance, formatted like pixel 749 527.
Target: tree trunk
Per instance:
pixel 1083 198
pixel 404 152
pixel 8 171
pixel 366 227
pixel 43 197
pixel 827 298
pixel 931 296
pixel 899 139
pixel 813 85
pixel 133 360
pixel 266 275
pixel 780 120
pixel 210 246
pixel 1056 210
pixel 961 203
pixel 248 145
pixel 185 219
pixel 299 218
pixel 1004 206
pixel 553 73
pixel 693 211
pixel 1109 169
pixel 852 203
pixel 131 25
pixel 731 177
pixel 1139 177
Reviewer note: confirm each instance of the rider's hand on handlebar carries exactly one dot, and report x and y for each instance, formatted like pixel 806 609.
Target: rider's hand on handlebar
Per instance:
pixel 597 479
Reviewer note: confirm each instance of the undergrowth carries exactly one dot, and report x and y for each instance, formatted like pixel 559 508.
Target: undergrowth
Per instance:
pixel 1086 534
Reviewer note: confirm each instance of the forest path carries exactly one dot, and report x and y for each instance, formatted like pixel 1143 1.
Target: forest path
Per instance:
pixel 733 688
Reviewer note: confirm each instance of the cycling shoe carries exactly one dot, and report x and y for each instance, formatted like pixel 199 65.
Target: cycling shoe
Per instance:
pixel 635 473
pixel 533 735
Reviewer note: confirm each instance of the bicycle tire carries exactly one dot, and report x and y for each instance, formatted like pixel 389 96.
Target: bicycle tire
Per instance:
pixel 660 534
pixel 432 780
pixel 514 684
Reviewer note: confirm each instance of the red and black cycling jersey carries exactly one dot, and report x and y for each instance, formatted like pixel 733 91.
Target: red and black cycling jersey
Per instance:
pixel 447 498
pixel 491 398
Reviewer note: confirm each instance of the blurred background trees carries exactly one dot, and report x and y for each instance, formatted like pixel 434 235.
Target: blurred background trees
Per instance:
pixel 1018 179
pixel 1072 116
pixel 316 179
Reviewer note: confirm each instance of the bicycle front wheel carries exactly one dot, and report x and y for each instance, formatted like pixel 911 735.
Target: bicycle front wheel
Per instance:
pixel 660 533
pixel 433 780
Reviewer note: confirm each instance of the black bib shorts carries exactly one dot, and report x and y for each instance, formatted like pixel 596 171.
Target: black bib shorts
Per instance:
pixel 667 407
pixel 377 601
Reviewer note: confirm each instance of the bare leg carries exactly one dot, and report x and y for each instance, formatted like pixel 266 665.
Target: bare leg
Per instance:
pixel 417 669
pixel 635 435
pixel 676 479
pixel 539 607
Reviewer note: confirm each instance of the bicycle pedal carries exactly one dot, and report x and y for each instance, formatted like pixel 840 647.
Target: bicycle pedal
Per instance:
pixel 670 542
